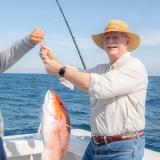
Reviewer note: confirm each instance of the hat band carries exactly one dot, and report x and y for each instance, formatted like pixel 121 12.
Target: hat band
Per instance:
pixel 115 30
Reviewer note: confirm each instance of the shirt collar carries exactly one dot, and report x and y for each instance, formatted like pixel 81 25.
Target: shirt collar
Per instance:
pixel 121 60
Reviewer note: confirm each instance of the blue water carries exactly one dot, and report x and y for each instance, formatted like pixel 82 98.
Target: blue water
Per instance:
pixel 22 95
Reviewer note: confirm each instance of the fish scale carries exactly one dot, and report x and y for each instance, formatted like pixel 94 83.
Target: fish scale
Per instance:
pixel 55 127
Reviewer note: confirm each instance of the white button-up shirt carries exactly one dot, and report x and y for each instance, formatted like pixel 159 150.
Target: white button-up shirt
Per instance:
pixel 118 95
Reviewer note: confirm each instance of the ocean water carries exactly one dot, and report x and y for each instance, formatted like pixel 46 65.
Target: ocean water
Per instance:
pixel 22 95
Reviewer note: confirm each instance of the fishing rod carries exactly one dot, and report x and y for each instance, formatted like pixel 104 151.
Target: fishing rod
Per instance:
pixel 74 41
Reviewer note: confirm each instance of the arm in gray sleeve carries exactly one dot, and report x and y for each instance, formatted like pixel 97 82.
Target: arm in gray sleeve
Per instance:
pixel 11 55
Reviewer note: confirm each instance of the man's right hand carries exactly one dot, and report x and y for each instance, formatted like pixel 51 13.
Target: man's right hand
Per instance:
pixel 52 64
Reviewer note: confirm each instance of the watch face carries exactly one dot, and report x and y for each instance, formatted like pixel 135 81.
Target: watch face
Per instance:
pixel 62 71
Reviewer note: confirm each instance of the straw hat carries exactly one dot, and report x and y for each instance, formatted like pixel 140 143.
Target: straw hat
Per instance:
pixel 117 26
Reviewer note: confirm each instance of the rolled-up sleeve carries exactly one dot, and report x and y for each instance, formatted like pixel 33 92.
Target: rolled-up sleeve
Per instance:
pixel 120 81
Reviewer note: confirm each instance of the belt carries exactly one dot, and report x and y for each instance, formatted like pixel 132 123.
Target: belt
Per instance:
pixel 109 139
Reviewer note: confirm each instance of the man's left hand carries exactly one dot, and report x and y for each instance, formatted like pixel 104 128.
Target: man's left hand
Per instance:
pixel 37 36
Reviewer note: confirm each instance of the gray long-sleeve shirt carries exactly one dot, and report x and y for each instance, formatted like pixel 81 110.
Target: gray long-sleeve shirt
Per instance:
pixel 12 54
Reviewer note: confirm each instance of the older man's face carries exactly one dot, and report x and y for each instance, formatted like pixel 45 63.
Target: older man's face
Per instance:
pixel 115 43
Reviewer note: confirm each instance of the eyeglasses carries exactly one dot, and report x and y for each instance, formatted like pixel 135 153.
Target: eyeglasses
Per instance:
pixel 114 38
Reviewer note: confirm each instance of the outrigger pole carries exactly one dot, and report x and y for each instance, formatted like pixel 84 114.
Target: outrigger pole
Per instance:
pixel 71 35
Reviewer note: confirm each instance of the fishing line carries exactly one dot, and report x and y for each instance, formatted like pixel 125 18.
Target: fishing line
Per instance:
pixel 74 41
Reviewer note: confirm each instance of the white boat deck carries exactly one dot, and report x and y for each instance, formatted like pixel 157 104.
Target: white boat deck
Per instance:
pixel 30 146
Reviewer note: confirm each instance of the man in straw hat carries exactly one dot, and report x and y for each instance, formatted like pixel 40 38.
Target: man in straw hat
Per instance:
pixel 117 91
pixel 10 56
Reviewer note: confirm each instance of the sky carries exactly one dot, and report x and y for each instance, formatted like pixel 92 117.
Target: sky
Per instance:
pixel 85 17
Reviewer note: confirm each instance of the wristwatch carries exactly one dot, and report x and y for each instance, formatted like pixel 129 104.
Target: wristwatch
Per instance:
pixel 62 71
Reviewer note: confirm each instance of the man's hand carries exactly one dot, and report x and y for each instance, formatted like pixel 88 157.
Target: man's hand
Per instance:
pixel 79 79
pixel 52 64
pixel 37 36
